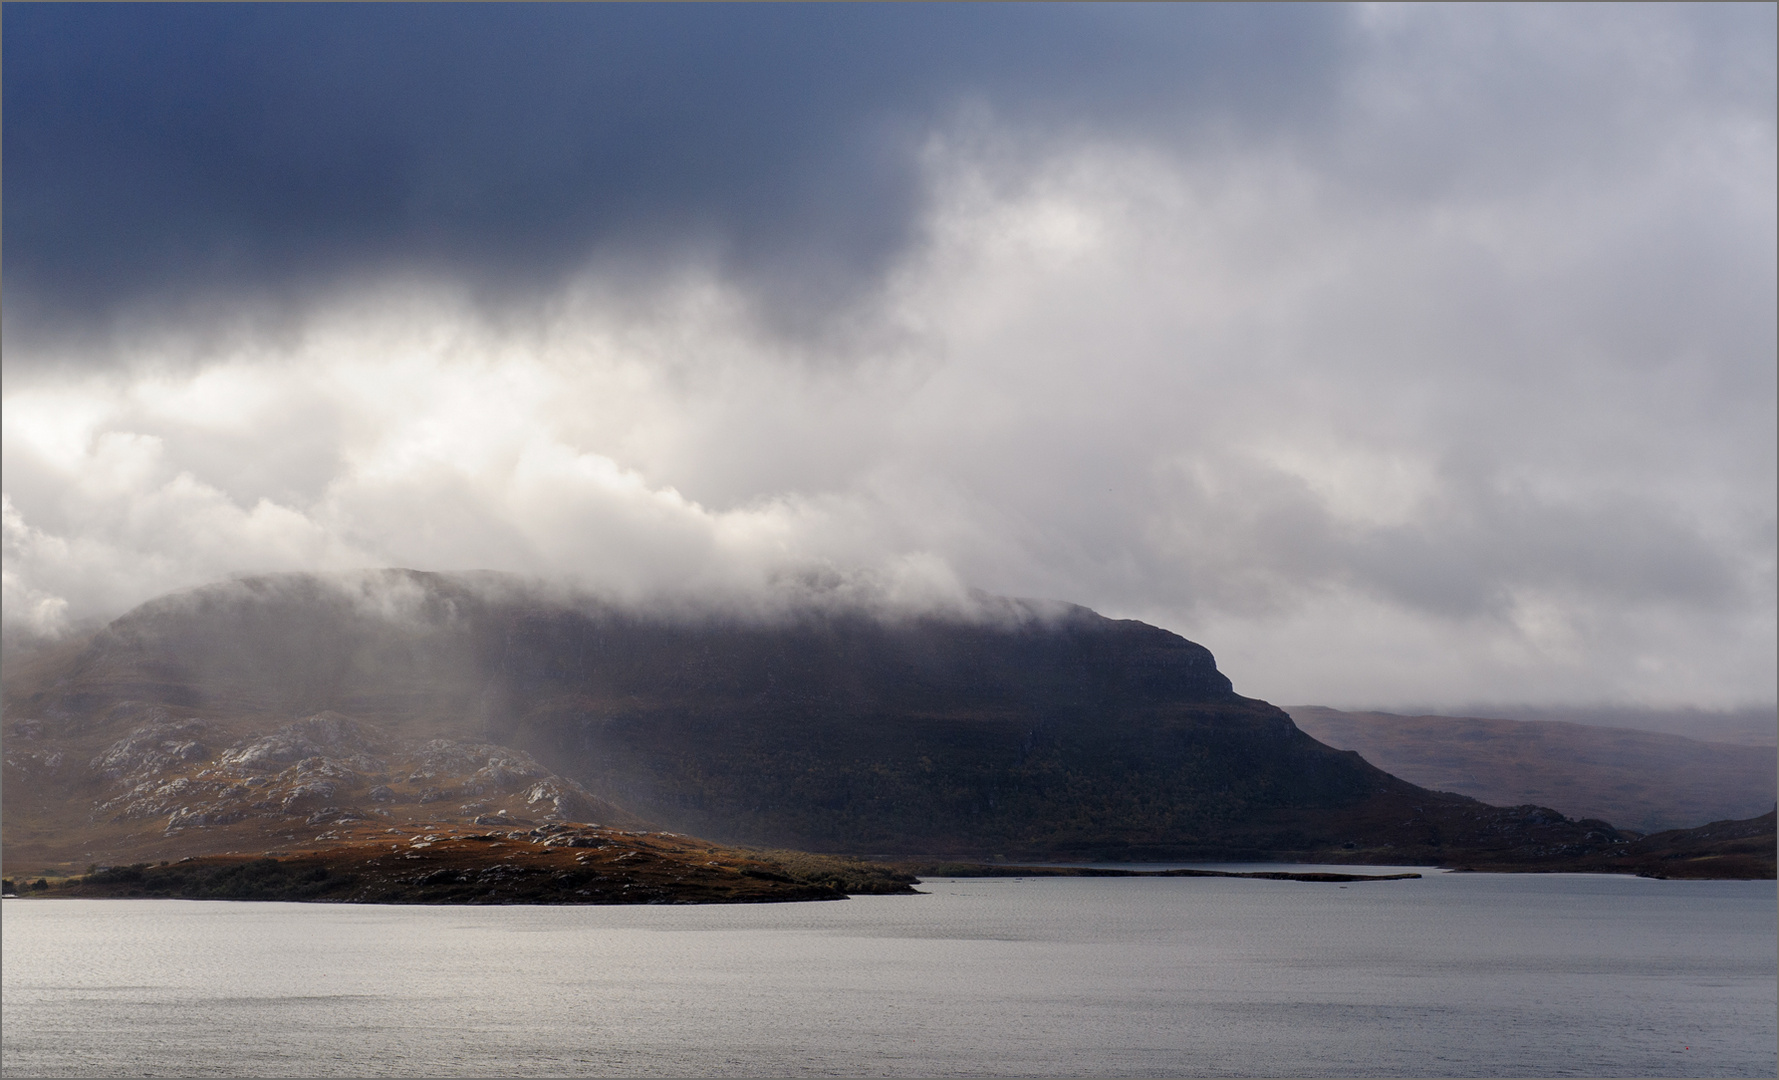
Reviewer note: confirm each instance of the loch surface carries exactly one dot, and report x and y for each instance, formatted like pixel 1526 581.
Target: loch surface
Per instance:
pixel 1452 974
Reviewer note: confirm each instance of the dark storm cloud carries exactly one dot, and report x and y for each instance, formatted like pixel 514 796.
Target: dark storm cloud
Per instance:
pixel 161 150
pixel 1397 352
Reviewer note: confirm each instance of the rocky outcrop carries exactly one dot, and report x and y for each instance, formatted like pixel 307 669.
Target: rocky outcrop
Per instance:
pixel 173 783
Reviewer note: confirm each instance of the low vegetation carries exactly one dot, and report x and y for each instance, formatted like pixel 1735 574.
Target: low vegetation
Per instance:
pixel 856 877
pixel 556 864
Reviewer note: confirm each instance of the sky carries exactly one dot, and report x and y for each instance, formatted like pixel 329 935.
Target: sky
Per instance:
pixel 1396 354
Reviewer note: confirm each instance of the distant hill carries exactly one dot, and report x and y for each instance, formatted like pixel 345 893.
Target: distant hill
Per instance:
pixel 1719 849
pixel 1012 729
pixel 1749 725
pixel 1635 779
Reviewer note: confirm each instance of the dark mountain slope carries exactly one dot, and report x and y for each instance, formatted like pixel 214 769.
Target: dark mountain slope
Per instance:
pixel 1023 730
pixel 1742 848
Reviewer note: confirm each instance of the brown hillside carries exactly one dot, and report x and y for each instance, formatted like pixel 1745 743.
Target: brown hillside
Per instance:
pixel 437 863
pixel 148 784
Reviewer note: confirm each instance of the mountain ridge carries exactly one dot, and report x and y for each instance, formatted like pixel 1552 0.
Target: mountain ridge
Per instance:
pixel 1015 730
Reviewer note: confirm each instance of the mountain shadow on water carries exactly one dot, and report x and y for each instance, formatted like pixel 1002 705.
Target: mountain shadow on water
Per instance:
pixel 1007 729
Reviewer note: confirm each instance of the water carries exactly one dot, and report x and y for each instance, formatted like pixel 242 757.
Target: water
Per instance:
pixel 1455 974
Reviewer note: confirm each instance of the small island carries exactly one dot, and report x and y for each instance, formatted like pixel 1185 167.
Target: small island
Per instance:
pixel 436 863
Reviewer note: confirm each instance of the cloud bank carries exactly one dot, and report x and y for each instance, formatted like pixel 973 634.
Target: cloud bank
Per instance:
pixel 1394 354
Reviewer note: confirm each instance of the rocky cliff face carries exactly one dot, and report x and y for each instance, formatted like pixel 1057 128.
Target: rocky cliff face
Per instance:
pixel 1016 729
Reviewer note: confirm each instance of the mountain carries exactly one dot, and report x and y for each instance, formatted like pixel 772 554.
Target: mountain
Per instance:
pixel 1007 729
pixel 1638 779
pixel 1749 725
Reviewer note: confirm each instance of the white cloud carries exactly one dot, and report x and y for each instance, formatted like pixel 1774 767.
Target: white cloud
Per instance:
pixel 1504 440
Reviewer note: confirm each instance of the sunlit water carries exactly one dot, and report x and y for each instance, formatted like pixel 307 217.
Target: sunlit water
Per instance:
pixel 1459 974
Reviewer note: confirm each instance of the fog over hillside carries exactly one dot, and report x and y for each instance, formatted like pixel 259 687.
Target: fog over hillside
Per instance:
pixel 1399 355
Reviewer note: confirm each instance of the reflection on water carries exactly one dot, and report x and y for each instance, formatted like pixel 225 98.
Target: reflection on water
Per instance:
pixel 1454 974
